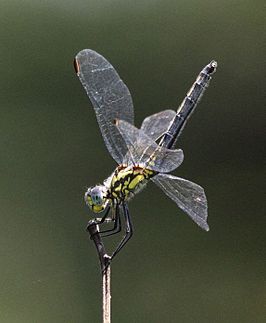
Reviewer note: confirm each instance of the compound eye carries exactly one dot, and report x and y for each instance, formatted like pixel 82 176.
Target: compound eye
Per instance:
pixel 96 196
pixel 97 199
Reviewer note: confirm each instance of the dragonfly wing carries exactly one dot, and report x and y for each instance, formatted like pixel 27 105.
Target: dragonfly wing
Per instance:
pixel 157 124
pixel 189 196
pixel 109 96
pixel 144 151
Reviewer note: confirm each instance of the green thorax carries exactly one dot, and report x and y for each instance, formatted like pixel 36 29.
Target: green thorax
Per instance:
pixel 127 181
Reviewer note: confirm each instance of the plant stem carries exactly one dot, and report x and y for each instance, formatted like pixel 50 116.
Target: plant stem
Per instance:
pixel 105 267
pixel 106 279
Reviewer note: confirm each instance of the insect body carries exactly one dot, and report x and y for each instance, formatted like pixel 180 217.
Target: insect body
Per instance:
pixel 127 181
pixel 141 154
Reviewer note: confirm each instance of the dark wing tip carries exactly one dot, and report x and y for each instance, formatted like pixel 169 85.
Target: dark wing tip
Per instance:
pixel 115 122
pixel 76 65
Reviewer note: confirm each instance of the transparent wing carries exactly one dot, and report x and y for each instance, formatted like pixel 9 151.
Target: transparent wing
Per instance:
pixel 142 150
pixel 189 196
pixel 109 96
pixel 157 124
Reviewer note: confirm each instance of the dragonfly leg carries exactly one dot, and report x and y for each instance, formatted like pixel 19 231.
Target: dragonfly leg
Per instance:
pixel 95 221
pixel 129 231
pixel 117 225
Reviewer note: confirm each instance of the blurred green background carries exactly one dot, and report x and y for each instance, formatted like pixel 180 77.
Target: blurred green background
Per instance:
pixel 51 151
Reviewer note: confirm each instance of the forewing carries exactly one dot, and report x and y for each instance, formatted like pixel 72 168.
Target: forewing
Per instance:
pixel 109 96
pixel 157 124
pixel 189 196
pixel 142 150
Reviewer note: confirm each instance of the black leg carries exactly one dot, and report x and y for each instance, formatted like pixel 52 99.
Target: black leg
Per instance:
pixel 117 225
pixel 99 221
pixel 105 216
pixel 129 231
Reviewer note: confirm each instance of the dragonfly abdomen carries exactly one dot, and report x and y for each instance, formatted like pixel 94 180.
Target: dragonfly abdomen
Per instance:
pixel 188 105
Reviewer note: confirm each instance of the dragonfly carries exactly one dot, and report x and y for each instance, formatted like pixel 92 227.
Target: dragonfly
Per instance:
pixel 142 155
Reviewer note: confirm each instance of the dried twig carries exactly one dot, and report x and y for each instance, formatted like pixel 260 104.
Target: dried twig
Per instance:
pixel 105 265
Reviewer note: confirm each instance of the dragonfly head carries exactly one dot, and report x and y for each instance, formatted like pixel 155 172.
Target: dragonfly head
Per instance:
pixel 96 199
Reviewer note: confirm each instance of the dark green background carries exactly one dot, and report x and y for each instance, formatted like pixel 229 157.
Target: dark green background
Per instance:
pixel 51 150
